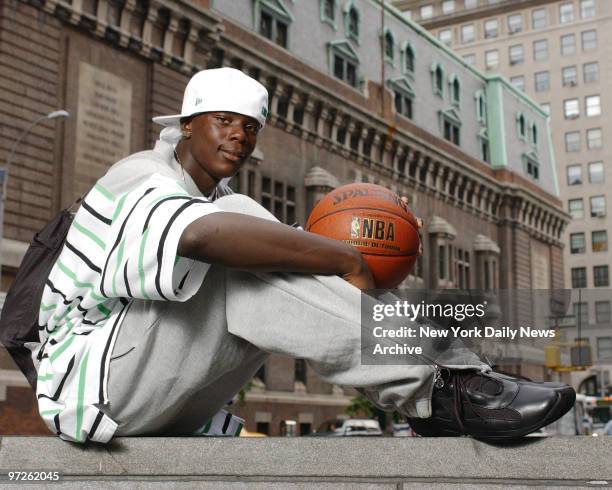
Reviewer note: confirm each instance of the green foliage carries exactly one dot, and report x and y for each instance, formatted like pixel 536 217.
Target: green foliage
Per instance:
pixel 360 405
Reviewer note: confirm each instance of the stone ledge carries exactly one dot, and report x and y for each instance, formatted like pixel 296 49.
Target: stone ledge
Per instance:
pixel 380 462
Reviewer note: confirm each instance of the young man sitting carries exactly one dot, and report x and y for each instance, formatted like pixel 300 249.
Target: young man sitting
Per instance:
pixel 170 292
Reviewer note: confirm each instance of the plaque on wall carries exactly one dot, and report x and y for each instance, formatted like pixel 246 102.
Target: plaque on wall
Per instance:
pixel 103 123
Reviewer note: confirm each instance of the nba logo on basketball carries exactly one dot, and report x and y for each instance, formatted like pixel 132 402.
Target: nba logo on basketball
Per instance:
pixel 372 229
pixel 355 226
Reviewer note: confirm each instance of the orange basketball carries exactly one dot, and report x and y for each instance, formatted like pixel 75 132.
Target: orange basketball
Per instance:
pixel 374 220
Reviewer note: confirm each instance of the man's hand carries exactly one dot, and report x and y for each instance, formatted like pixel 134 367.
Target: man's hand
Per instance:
pixel 361 277
pixel 405 200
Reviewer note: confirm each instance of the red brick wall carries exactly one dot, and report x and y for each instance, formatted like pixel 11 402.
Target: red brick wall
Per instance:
pixel 30 54
pixel 19 414
pixel 167 89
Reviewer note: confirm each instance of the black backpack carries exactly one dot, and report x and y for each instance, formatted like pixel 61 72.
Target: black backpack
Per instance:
pixel 19 319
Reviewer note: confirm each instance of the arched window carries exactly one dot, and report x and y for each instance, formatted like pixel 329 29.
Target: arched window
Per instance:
pixel 455 89
pixel 439 80
pixel 481 107
pixel 521 124
pixel 534 134
pixel 389 46
pixel 351 21
pixel 409 59
pixel 329 9
pixel 328 12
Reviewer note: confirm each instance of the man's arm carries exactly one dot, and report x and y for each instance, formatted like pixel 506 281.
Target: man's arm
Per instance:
pixel 245 242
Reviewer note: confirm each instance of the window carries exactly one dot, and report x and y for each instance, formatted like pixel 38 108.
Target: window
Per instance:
pixel 491 28
pixel 593 105
pixel 516 54
pixel 574 174
pixel 451 130
pixel 539 19
pixel 409 59
pixel 604 349
pixel 576 208
pixel 540 50
pixel 577 243
pixel 389 47
pixel 570 76
pixel 568 44
pixel 602 312
pixel 467 33
pixel 328 11
pixel 470 59
pixel 534 134
pixel 491 59
pixel 572 141
pixel 532 167
pixel 438 80
pixel 448 6
pixel 427 11
pixel 279 199
pixel 352 24
pixel 566 13
pixel 404 104
pixel 542 81
pixel 344 63
pixel 587 9
pixel 521 125
pixel 579 279
pixel 274 25
pixel 455 90
pixel 485 153
pixel 598 206
pixel 599 241
pixel 601 277
pixel 518 82
pixel 446 36
pixel 581 312
pixel 596 172
pixel 589 40
pixel 481 106
pixel 590 72
pixel 594 139
pixel 470 4
pixel 571 108
pixel 515 23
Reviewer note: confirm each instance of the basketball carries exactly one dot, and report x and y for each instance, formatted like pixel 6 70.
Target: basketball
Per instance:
pixel 376 222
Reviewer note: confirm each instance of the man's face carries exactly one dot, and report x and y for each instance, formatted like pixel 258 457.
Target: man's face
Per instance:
pixel 220 143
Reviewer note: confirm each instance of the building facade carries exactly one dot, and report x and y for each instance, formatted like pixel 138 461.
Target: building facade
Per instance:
pixel 558 53
pixel 357 94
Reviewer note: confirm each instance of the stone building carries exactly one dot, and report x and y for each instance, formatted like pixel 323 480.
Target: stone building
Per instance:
pixel 357 94
pixel 557 52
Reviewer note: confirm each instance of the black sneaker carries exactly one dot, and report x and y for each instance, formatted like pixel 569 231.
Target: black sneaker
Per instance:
pixel 491 406
pixel 557 385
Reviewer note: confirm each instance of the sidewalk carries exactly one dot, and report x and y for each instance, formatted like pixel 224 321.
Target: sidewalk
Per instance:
pixel 282 463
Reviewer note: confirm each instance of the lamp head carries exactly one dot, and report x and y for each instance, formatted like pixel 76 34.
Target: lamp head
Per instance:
pixel 56 114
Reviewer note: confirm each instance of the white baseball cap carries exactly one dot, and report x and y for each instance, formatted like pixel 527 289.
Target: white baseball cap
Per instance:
pixel 221 89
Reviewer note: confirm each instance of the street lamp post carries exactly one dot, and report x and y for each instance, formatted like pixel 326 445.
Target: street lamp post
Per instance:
pixel 6 169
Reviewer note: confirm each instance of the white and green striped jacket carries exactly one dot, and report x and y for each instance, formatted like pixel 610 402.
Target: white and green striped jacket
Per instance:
pixel 121 246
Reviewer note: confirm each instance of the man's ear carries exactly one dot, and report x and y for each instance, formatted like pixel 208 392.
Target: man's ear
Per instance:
pixel 186 128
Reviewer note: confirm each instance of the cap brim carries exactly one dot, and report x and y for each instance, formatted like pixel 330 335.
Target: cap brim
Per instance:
pixel 168 120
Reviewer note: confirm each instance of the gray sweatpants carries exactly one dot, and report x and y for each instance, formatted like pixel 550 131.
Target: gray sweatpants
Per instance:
pixel 174 365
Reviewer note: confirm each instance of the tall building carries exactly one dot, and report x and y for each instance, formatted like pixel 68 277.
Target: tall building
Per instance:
pixel 558 53
pixel 355 96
